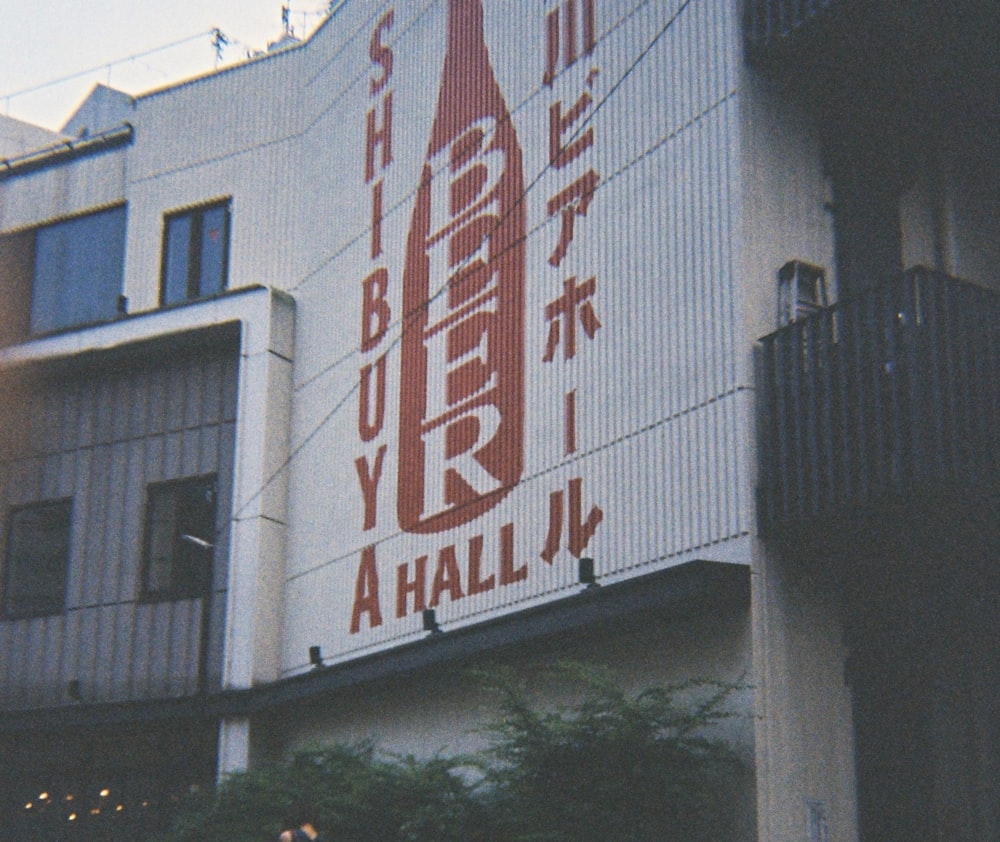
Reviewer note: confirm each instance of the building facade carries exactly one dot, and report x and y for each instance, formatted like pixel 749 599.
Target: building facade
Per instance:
pixel 660 335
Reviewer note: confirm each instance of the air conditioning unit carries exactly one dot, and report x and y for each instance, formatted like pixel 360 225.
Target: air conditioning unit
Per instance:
pixel 801 291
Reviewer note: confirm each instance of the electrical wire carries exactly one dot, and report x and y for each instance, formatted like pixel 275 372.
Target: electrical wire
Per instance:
pixel 731 392
pixel 405 201
pixel 443 288
pixel 108 65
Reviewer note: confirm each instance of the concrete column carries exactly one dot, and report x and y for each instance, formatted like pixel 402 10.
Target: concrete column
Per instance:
pixel 804 735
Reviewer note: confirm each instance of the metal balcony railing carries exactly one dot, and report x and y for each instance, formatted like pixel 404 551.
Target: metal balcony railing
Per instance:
pixel 768 20
pixel 891 394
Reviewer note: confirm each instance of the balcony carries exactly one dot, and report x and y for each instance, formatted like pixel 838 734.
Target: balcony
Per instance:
pixel 917 58
pixel 767 21
pixel 886 402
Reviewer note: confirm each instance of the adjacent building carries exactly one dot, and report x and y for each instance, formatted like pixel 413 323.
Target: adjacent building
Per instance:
pixel 661 335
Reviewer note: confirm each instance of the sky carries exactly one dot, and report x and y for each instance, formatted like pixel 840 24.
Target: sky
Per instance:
pixel 135 46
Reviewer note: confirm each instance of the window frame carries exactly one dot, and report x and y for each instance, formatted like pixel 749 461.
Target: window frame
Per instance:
pixel 195 251
pixel 185 556
pixel 17 269
pixel 35 605
pixel 78 275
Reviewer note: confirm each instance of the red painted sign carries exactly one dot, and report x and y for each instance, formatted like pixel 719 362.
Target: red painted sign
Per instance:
pixel 462 349
pixel 462 370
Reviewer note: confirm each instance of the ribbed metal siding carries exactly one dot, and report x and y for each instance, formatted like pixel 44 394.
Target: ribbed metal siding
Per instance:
pixel 662 404
pixel 101 436
pixel 59 191
pixel 235 134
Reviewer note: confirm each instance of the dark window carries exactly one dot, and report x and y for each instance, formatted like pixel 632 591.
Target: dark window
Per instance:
pixel 195 253
pixel 180 538
pixel 62 275
pixel 17 266
pixel 38 540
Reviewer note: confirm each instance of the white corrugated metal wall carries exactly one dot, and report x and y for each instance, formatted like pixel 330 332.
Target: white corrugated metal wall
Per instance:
pixel 631 444
pixel 99 437
pixel 660 397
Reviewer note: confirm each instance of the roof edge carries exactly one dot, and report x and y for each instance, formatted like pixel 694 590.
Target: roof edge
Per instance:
pixel 66 151
pixel 695 585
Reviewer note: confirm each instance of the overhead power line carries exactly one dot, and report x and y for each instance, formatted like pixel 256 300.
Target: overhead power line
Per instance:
pixel 218 40
pixel 338 406
pixel 211 33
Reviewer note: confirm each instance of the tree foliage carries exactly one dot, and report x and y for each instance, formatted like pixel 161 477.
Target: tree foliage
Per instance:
pixel 613 766
pixel 355 794
pixel 617 766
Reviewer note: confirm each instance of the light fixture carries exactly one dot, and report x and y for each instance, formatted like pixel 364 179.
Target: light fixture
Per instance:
pixel 198 542
pixel 430 621
pixel 316 657
pixel 585 573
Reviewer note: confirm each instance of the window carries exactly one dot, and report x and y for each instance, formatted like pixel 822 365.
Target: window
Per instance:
pixel 38 541
pixel 195 253
pixel 180 538
pixel 62 275
pixel 17 266
pixel 78 271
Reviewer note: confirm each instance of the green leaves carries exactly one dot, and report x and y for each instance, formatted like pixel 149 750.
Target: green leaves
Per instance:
pixel 610 765
pixel 354 793
pixel 613 766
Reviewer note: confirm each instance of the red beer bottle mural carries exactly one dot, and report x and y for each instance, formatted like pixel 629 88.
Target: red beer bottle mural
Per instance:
pixel 461 424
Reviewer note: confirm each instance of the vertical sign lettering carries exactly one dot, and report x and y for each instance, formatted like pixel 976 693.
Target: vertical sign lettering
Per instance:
pixel 461 412
pixel 569 34
pixel 376 316
pixel 462 370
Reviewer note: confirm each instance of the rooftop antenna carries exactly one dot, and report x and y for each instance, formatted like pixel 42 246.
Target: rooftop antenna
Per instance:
pixel 219 41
